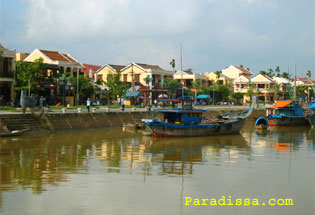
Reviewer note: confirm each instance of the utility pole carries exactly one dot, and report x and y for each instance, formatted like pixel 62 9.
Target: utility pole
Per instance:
pixel 294 92
pixel 181 69
pixel 132 79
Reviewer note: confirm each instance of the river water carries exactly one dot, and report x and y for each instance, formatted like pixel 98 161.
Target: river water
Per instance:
pixel 110 171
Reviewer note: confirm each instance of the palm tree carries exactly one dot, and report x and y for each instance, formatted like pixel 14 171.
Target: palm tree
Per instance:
pixel 262 72
pixel 285 75
pixel 278 71
pixel 309 74
pixel 218 73
pixel 172 63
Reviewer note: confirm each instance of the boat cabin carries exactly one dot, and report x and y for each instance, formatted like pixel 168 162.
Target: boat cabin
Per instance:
pixel 285 109
pixel 184 115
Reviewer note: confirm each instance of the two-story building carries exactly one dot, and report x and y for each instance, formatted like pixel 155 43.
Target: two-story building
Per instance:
pixel 104 71
pixel 235 72
pixel 7 69
pixel 187 78
pixel 265 87
pixel 56 64
pixel 139 73
pixel 241 85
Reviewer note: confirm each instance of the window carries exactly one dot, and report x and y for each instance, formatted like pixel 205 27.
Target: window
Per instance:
pixel 125 77
pixel 99 77
pixel 137 78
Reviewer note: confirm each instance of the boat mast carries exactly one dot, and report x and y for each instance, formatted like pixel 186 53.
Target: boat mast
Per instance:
pixel 181 69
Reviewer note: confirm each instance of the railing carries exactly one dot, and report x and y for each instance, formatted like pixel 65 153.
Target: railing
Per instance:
pixel 7 74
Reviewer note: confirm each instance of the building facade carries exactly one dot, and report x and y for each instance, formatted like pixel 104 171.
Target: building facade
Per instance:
pixel 7 70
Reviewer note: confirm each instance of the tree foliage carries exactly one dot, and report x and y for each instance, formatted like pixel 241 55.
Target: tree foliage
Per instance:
pixel 172 63
pixel 27 74
pixel 115 86
pixel 171 85
pixel 85 86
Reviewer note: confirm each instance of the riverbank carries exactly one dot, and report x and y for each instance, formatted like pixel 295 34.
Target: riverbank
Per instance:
pixel 55 121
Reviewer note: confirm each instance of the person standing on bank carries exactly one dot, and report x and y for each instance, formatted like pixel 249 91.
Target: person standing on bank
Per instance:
pixel 88 104
pixel 122 103
pixel 41 102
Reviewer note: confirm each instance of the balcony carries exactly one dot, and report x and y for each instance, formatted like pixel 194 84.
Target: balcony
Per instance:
pixel 7 74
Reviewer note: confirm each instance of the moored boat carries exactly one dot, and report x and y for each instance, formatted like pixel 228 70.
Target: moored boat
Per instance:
pixel 286 113
pixel 189 122
pixel 310 114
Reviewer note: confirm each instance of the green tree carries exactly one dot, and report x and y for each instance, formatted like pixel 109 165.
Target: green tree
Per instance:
pixel 172 63
pixel 285 75
pixel 115 86
pixel 218 73
pixel 223 93
pixel 171 85
pixel 270 73
pixel 238 96
pixel 241 66
pixel 262 72
pixel 85 86
pixel 277 70
pixel 309 74
pixel 27 74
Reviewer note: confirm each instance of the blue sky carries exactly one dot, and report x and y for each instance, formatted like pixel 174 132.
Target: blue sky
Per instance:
pixel 259 34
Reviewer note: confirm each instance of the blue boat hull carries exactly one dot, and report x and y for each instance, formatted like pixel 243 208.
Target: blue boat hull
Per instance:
pixel 289 121
pixel 159 128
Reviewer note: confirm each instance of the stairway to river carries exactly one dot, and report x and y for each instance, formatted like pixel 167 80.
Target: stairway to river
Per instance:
pixel 21 121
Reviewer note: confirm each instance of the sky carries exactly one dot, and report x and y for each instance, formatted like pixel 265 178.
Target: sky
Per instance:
pixel 258 34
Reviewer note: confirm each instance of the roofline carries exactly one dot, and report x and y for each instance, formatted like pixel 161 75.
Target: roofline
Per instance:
pixel 40 53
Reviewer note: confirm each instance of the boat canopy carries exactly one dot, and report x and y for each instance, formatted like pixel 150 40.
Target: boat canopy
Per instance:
pixel 203 96
pixel 312 106
pixel 281 104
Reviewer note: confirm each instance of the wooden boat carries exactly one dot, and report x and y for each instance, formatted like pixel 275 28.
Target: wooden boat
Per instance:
pixel 14 133
pixel 187 122
pixel 261 123
pixel 310 114
pixel 286 113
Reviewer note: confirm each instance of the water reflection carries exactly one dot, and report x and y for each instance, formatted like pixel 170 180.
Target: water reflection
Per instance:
pixel 32 162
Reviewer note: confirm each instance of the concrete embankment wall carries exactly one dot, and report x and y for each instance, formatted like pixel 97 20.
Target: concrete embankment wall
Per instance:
pixel 58 121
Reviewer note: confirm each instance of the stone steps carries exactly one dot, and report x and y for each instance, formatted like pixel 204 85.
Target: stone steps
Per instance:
pixel 18 122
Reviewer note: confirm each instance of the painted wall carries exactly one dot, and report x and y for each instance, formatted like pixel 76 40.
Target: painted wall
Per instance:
pixel 104 72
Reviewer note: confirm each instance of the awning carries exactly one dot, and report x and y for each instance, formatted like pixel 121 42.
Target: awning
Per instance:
pixel 203 96
pixel 312 106
pixel 131 94
pixel 281 104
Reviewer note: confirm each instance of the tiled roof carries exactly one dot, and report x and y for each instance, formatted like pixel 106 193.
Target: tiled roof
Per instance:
pixel 92 67
pixel 153 67
pixel 117 67
pixel 55 55
pixel 268 78
pixel 244 70
pixel 69 58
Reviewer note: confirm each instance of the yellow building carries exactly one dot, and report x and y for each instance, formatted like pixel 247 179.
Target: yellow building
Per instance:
pixel 107 69
pixel 242 85
pixel 222 79
pixel 187 78
pixel 7 68
pixel 234 72
pixel 56 62
pixel 137 73
pixel 265 85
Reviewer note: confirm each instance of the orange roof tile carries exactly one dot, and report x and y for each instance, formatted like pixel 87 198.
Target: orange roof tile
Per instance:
pixel 54 55
pixel 281 104
pixel 244 70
